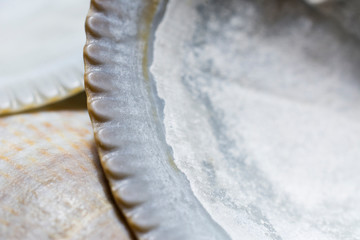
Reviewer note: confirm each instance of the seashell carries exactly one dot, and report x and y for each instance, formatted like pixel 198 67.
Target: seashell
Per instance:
pixel 51 182
pixel 41 58
pixel 226 119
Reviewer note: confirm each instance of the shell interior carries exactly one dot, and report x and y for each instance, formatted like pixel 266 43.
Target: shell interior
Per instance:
pixel 220 119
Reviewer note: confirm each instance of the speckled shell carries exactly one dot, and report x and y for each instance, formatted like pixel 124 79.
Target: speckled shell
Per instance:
pixel 51 182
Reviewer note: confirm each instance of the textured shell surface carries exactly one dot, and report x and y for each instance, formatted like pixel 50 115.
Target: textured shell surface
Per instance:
pixel 227 119
pixel 41 52
pixel 51 182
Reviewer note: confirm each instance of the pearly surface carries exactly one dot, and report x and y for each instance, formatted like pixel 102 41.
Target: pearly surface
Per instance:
pixel 51 182
pixel 262 113
pixel 40 52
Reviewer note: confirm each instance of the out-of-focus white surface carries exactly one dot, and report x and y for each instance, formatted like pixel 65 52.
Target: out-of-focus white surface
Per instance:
pixel 316 1
pixel 262 110
pixel 40 51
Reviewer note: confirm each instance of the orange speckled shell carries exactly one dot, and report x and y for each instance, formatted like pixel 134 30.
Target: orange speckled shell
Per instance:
pixel 51 182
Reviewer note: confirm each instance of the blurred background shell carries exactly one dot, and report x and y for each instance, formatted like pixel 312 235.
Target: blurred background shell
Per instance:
pixel 51 181
pixel 40 52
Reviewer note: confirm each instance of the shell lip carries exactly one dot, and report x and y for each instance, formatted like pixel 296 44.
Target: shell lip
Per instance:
pixel 17 100
pixel 155 197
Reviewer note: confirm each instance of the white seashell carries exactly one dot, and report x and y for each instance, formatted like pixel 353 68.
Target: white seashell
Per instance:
pixel 152 193
pixel 235 119
pixel 40 52
pixel 51 182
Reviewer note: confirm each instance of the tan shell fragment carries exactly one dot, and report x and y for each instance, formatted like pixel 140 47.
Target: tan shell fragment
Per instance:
pixel 51 183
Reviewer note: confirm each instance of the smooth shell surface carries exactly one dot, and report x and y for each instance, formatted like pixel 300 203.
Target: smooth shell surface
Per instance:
pixel 40 52
pixel 227 119
pixel 51 182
